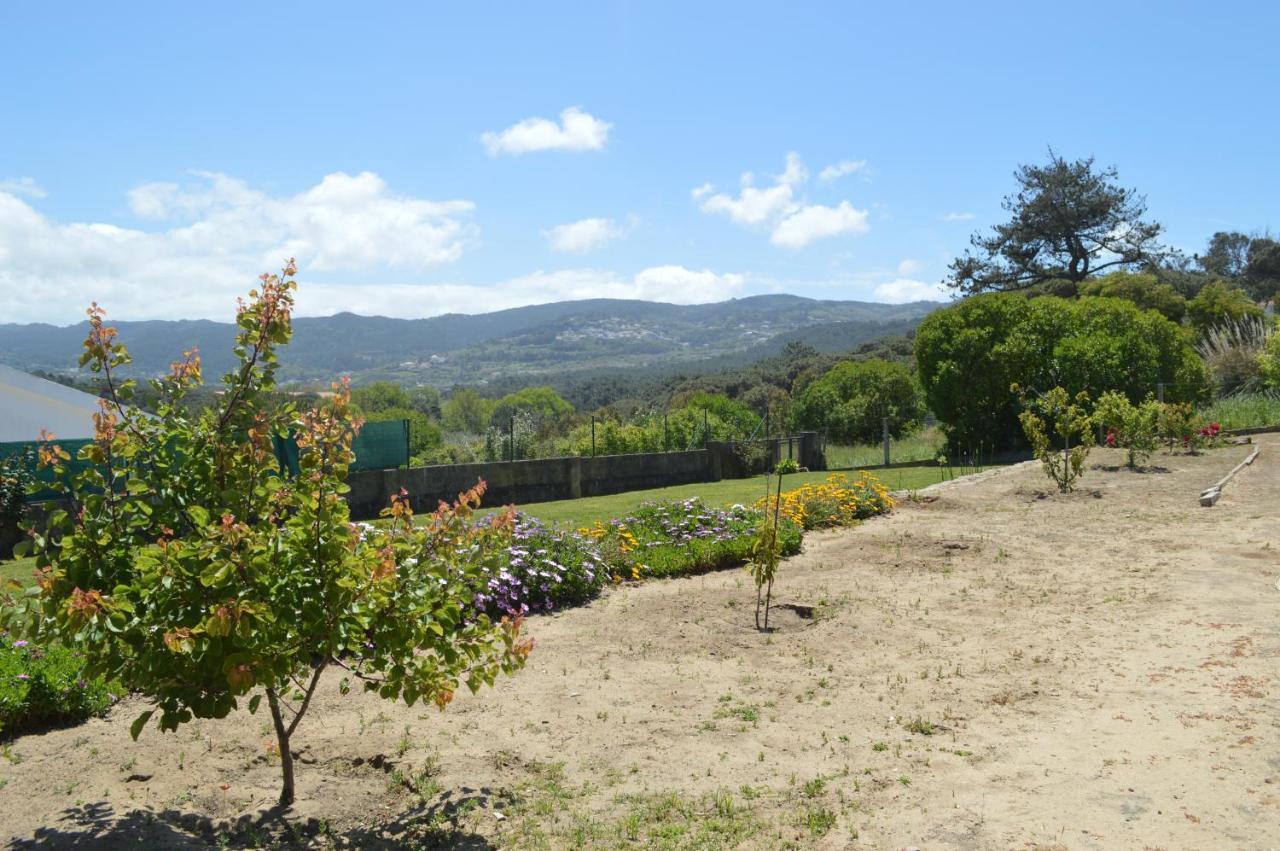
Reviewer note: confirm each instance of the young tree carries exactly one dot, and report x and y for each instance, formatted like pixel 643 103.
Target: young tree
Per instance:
pixel 1055 412
pixel 1134 427
pixel 191 570
pixel 1068 221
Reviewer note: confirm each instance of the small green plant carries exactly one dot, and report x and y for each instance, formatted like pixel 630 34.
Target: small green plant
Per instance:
pixel 765 555
pixel 1134 427
pixel 1055 411
pixel 1180 427
pixel 787 465
pixel 819 821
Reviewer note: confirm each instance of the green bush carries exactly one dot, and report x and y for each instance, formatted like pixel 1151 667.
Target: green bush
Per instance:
pixel 1217 303
pixel 46 685
pixel 850 401
pixel 1269 361
pixel 1144 290
pixel 1133 427
pixel 971 354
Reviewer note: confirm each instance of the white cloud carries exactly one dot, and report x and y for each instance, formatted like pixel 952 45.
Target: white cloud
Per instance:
pixel 792 223
pixel 577 131
pixel 905 290
pixel 22 186
pixel 752 205
pixel 215 237
pixel 674 284
pixel 909 267
pixel 818 222
pixel 835 171
pixel 583 235
pixel 957 217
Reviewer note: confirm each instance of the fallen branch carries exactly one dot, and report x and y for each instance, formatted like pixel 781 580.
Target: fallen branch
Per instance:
pixel 1210 495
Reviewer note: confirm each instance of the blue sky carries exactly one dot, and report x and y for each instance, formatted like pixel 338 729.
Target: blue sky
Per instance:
pixel 156 156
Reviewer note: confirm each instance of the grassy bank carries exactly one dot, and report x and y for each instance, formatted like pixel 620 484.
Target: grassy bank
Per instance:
pixel 1246 411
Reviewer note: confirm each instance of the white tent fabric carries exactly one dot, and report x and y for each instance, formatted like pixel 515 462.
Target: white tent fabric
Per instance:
pixel 29 404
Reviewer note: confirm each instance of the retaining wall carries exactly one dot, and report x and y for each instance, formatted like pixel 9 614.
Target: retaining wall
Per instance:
pixel 548 479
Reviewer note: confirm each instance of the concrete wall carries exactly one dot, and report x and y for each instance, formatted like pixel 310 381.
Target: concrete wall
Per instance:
pixel 548 479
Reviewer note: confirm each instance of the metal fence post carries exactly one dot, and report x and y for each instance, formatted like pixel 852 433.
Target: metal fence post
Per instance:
pixel 884 431
pixel 1160 392
pixel 706 429
pixel 511 441
pixel 593 435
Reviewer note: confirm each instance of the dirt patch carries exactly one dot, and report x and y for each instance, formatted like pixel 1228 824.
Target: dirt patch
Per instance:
pixel 979 670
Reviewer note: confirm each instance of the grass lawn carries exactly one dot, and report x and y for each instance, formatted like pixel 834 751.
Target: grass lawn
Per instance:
pixel 19 569
pixel 583 512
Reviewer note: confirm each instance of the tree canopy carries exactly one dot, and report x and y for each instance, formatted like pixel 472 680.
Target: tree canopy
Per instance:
pixel 850 401
pixel 1068 221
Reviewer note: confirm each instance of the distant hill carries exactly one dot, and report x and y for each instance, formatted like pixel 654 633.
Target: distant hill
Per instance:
pixel 520 344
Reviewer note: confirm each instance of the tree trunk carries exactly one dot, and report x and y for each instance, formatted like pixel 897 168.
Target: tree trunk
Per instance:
pixel 286 755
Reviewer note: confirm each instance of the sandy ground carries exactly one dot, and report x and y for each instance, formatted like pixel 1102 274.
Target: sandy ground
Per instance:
pixel 990 667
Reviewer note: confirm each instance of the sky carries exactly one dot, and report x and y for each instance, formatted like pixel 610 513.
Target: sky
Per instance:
pixel 420 159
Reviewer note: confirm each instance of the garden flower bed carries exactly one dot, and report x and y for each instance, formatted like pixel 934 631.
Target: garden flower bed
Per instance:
pixel 838 501
pixel 46 685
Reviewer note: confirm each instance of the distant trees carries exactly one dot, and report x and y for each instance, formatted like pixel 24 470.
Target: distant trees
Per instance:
pixel 1068 220
pixel 850 401
pixel 541 405
pixel 970 354
pixel 466 411
pixel 1251 263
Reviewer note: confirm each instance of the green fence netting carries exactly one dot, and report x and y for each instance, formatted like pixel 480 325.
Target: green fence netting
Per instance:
pixel 377 446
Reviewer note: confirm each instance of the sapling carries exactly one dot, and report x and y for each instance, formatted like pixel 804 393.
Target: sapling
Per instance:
pixel 1068 419
pixel 1134 427
pixel 191 569
pixel 765 555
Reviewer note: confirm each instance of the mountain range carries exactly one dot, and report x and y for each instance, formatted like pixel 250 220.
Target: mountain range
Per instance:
pixel 524 343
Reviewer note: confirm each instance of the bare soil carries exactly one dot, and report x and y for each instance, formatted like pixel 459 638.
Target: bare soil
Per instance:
pixel 992 666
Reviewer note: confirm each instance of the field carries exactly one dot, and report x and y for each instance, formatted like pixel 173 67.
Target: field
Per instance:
pixel 990 666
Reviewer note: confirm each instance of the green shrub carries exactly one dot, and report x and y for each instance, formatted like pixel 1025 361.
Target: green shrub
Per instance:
pixel 1134 427
pixel 850 401
pixel 970 354
pixel 1269 362
pixel 46 685
pixel 1142 289
pixel 1218 303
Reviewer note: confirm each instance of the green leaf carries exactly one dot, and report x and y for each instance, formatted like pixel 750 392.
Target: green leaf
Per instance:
pixel 137 487
pixel 198 515
pixel 135 729
pixel 22 548
pixel 253 703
